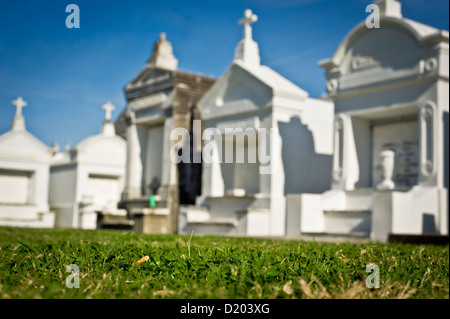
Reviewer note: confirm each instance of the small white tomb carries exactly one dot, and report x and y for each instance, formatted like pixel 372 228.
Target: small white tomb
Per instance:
pixel 89 178
pixel 390 167
pixel 265 139
pixel 24 177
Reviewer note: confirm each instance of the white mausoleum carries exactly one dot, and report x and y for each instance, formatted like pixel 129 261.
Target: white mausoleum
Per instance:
pixel 159 99
pixel 390 167
pixel 283 136
pixel 89 178
pixel 24 177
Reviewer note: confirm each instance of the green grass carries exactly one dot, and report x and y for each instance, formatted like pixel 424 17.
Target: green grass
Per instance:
pixel 33 261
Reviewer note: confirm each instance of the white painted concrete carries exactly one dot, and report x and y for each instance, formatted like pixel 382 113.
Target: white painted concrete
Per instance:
pixel 89 178
pixel 293 133
pixel 390 90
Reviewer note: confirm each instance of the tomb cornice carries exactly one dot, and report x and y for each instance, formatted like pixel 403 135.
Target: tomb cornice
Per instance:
pixel 191 77
pixel 288 109
pixel 83 162
pixel 267 109
pixel 155 110
pixel 23 157
pixel 386 85
pixel 149 89
pixel 149 101
pixel 442 49
pixel 395 113
pixel 289 95
pixel 246 196
pixel 151 119
pixel 166 79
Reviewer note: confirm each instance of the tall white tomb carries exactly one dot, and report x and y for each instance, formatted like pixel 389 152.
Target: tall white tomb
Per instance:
pixel 159 99
pixel 390 167
pixel 263 139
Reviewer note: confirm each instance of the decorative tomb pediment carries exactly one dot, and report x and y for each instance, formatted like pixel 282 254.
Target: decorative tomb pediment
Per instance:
pixel 236 92
pixel 401 49
pixel 23 145
pixel 385 54
pixel 148 76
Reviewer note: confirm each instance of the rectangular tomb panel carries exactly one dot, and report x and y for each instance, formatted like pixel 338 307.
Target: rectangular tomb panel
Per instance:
pixel 403 139
pixel 15 186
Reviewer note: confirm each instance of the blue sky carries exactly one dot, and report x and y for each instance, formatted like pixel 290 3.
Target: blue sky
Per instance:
pixel 66 75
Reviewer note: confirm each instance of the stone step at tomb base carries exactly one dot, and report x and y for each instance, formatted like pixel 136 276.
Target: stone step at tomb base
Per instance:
pixel 248 222
pixel 108 221
pixel 347 221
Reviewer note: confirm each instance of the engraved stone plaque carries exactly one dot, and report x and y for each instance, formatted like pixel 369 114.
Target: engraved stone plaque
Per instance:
pixel 402 138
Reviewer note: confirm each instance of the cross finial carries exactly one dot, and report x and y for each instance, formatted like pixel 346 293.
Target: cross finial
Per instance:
pixel 246 21
pixel 162 37
pixel 247 50
pixel 19 103
pixel 108 107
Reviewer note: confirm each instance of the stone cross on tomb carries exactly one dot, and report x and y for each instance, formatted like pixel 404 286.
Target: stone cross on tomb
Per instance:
pixel 108 107
pixel 246 21
pixel 19 103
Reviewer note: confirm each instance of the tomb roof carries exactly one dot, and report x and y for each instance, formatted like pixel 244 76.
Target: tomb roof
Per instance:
pixel 27 138
pixel 390 14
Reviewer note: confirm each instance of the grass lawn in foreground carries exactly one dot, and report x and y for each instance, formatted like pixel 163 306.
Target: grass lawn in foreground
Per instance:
pixel 33 265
